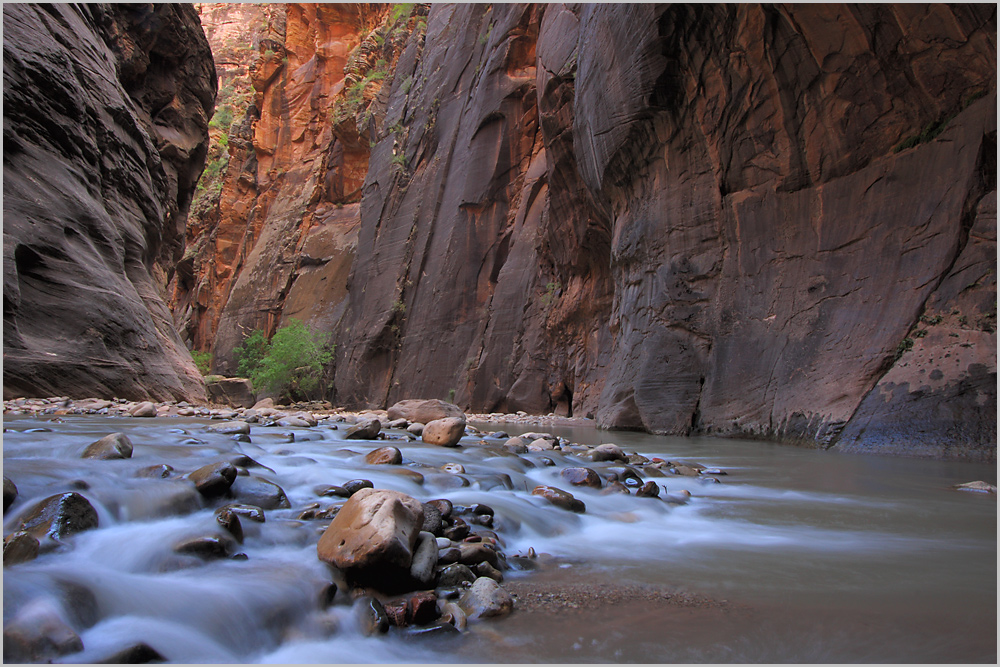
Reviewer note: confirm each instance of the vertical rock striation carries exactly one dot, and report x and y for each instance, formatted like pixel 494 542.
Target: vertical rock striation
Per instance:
pixel 771 221
pixel 105 116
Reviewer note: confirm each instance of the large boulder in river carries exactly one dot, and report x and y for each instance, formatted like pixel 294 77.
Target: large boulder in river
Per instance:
pixel 423 411
pixel 113 446
pixel 372 538
pixel 235 392
pixel 253 490
pixel 214 479
pixel 444 432
pixel 366 429
pixel 60 516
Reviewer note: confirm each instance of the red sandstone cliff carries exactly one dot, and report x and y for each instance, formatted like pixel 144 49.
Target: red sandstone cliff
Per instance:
pixel 770 221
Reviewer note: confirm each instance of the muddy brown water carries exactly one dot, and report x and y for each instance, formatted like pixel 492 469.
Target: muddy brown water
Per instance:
pixel 797 555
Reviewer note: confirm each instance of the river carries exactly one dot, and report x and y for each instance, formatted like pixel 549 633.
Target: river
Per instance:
pixel 796 555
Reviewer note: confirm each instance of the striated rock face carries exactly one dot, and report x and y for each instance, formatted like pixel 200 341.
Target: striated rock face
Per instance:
pixel 281 239
pixel 105 116
pixel 714 219
pixel 746 220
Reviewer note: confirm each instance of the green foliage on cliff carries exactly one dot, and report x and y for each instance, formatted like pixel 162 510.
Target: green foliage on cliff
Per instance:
pixel 203 361
pixel 290 365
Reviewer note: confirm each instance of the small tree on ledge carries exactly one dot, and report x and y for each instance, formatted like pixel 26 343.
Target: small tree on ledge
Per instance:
pixel 290 365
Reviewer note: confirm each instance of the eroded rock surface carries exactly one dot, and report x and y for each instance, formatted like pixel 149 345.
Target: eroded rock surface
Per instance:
pixel 105 121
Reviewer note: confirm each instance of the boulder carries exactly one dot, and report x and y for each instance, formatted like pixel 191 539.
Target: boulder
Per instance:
pixel 384 456
pixel 214 479
pixel 144 409
pixel 231 428
pixel 608 452
pixel 264 404
pixel 9 493
pixel 415 429
pixel 19 547
pixel 648 490
pixel 366 429
pixel 560 498
pixel 113 446
pixel 424 410
pixel 355 485
pixel 257 491
pixel 60 516
pixel 444 432
pixel 236 392
pixel 516 445
pixel 486 598
pixel 541 445
pixel 298 422
pixel 581 477
pixel 207 547
pixel 373 536
pixel 38 633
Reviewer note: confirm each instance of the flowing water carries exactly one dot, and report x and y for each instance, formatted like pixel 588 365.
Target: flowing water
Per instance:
pixel 797 555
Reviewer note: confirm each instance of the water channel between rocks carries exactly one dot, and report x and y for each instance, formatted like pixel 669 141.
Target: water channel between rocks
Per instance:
pixel 796 555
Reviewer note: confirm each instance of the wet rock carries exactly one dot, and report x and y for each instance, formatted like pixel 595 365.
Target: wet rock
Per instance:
pixel 443 542
pixel 19 547
pixel 444 432
pixel 453 615
pixel 207 546
pixel 9 493
pixel 560 498
pixel 626 475
pixel 484 569
pixel 713 471
pixel 541 445
pixel 424 411
pixel 648 490
pixel 432 519
pixel 425 559
pixel 214 479
pixel 470 554
pixel 421 608
pixel 355 485
pixel 457 532
pixel 449 555
pixel 516 445
pixel 60 516
pixel 502 480
pixel 296 422
pixel 328 595
pixel 332 490
pixel 485 599
pixel 608 452
pixel 615 487
pixel 38 634
pixel 395 611
pixel 384 456
pixel 977 486
pixel 249 512
pixel 443 505
pixel 637 460
pixel 161 471
pixel 547 462
pixel 372 616
pixel 137 654
pixel 231 428
pixel 581 477
pixel 453 468
pixel 398 423
pixel 112 446
pixel 373 536
pixel 366 429
pixel 144 409
pixel 252 490
pixel 416 429
pixel 455 575
pixel 686 471
pixel 230 520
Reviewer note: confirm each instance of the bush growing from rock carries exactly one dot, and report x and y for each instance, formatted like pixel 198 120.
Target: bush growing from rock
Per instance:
pixel 290 365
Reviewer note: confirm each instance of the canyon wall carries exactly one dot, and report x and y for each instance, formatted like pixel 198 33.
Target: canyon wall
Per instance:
pixel 105 115
pixel 756 221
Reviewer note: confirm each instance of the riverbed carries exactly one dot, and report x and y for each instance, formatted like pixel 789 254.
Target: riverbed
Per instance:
pixel 792 555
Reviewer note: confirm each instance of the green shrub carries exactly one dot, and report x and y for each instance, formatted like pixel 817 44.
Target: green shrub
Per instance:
pixel 291 364
pixel 203 360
